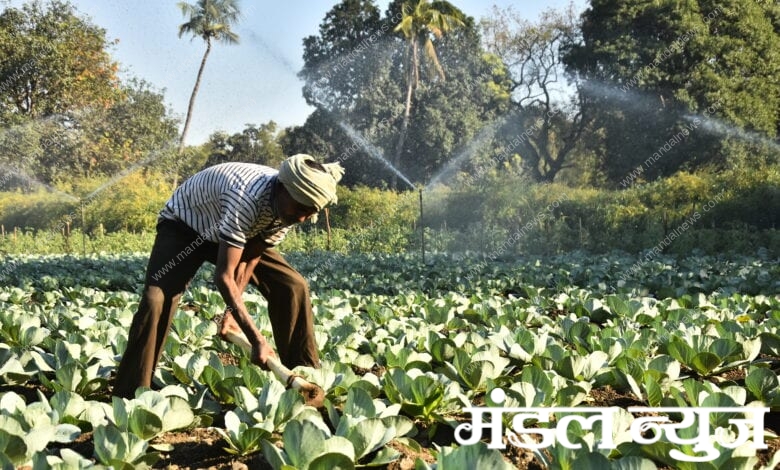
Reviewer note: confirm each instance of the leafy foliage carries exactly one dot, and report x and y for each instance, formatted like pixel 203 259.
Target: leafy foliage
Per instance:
pixel 401 358
pixel 355 73
pixel 64 111
pixel 647 65
pixel 61 53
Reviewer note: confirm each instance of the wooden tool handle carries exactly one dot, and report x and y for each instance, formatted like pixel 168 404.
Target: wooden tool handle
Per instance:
pixel 282 373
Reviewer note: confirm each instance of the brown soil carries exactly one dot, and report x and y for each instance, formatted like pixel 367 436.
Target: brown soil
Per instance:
pixel 773 446
pixel 376 369
pixel 734 375
pixel 408 457
pixel 607 396
pixel 204 448
pixel 228 359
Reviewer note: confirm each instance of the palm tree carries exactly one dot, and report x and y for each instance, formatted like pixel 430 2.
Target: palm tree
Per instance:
pixel 210 20
pixel 421 22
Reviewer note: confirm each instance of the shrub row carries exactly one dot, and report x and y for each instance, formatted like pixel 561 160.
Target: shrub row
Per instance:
pixel 731 211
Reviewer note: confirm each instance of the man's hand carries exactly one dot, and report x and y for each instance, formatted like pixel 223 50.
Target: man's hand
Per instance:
pixel 261 350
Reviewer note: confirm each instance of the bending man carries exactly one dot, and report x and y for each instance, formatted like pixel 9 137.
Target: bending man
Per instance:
pixel 232 215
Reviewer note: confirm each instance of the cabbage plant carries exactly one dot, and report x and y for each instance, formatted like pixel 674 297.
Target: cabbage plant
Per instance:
pixel 67 460
pixel 704 354
pixel 369 425
pixel 122 450
pixel 418 394
pixel 764 385
pixel 475 456
pixel 151 413
pixel 243 438
pixel 36 424
pixel 307 445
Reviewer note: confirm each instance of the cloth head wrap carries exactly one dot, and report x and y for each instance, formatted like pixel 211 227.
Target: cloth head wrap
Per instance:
pixel 307 185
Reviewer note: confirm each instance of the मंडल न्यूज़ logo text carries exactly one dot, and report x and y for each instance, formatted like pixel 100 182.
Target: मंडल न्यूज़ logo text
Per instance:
pixel 651 420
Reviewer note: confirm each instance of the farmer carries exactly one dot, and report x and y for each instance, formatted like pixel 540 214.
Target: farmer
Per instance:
pixel 231 215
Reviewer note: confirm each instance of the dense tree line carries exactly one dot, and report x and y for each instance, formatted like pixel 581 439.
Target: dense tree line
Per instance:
pixel 64 112
pixel 652 68
pixel 614 96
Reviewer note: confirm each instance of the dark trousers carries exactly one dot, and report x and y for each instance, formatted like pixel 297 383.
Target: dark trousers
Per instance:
pixel 177 255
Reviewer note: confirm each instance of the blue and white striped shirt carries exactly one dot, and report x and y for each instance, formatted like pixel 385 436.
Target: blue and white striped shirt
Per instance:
pixel 231 202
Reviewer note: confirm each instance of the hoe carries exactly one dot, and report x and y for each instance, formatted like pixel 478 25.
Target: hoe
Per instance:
pixel 313 394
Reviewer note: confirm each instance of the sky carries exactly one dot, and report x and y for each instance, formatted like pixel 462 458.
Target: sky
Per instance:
pixel 249 83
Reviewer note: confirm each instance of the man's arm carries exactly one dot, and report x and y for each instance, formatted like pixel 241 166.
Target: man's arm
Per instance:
pixel 232 275
pixel 249 260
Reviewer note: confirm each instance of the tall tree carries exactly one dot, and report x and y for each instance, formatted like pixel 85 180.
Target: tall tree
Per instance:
pixel 649 65
pixel 454 121
pixel 354 75
pixel 345 66
pixel 64 112
pixel 52 62
pixel 421 23
pixel 210 20
pixel 135 130
pixel 548 110
pixel 346 50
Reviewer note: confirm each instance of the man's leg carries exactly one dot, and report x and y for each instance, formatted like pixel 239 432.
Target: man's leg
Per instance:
pixel 289 308
pixel 170 269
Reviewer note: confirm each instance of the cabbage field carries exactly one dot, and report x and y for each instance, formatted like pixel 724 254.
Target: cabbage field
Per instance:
pixel 406 348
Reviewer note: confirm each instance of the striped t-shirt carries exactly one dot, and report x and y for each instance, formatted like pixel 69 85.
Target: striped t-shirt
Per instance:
pixel 230 202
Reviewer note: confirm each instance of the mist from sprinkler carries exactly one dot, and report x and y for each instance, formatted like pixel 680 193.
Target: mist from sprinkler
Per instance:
pixel 628 99
pixel 373 151
pixel 154 155
pixel 316 93
pixel 19 174
pixel 15 172
pixel 721 128
pixel 482 138
pixel 81 202
pixel 632 100
pixel 274 53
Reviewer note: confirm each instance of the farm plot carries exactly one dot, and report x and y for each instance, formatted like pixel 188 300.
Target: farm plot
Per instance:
pixel 406 348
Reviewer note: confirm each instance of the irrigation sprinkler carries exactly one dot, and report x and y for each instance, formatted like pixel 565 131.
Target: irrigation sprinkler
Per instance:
pixel 83 229
pixel 313 394
pixel 422 228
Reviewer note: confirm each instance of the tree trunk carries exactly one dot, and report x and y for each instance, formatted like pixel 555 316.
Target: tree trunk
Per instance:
pixel 191 106
pixel 407 113
pixel 327 225
pixel 192 97
pixel 30 89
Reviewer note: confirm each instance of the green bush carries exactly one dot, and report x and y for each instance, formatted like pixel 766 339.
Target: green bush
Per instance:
pixel 131 205
pixel 41 210
pixel 363 207
pixel 679 213
pixel 364 220
pixel 715 212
